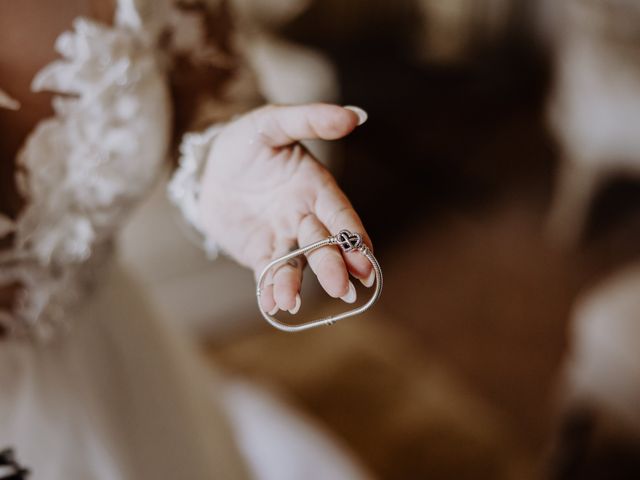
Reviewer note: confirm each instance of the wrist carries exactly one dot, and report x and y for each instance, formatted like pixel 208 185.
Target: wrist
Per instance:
pixel 185 187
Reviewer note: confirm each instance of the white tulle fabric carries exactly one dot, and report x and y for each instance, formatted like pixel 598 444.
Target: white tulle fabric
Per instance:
pixel 82 170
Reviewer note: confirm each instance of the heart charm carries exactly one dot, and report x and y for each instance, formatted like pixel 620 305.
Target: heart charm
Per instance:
pixel 348 241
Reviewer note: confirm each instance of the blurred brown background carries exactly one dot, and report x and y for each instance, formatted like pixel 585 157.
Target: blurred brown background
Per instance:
pixel 467 366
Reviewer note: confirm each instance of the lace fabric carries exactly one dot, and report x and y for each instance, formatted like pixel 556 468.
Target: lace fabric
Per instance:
pixel 184 187
pixel 7 102
pixel 82 170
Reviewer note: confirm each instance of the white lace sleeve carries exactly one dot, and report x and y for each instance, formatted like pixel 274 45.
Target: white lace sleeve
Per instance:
pixel 184 186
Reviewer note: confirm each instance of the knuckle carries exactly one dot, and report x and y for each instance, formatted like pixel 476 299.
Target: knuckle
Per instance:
pixel 339 213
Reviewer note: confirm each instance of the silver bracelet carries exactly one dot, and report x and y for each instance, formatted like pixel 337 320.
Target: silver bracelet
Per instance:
pixel 348 242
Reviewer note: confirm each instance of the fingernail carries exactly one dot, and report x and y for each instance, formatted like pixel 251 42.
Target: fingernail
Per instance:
pixel 296 307
pixel 362 115
pixel 274 311
pixel 367 282
pixel 350 297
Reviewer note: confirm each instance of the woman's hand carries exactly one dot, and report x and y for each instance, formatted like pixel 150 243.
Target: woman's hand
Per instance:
pixel 263 195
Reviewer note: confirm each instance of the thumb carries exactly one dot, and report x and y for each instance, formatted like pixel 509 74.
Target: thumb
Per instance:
pixel 280 125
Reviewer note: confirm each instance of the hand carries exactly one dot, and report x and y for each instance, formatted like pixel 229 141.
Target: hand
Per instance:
pixel 263 195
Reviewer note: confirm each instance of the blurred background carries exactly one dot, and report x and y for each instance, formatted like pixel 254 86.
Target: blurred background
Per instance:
pixel 498 177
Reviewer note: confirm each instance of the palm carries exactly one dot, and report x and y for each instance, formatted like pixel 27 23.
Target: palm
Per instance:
pixel 261 195
pixel 264 194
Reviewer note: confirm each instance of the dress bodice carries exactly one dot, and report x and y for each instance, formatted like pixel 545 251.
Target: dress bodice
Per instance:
pixel 82 170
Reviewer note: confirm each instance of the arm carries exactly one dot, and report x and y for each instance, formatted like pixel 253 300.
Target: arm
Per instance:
pixel 260 192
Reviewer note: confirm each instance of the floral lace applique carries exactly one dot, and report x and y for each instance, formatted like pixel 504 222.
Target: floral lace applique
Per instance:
pixel 7 102
pixel 82 170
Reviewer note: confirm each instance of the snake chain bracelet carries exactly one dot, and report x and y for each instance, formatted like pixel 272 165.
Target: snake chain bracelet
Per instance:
pixel 348 242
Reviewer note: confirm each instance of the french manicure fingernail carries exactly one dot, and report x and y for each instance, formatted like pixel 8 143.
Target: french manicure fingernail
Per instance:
pixel 367 282
pixel 350 297
pixel 274 311
pixel 362 115
pixel 296 307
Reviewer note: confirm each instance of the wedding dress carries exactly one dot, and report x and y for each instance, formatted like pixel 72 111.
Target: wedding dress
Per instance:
pixel 93 383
